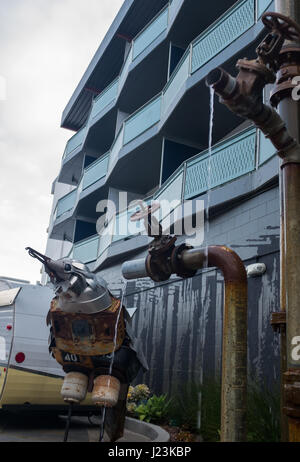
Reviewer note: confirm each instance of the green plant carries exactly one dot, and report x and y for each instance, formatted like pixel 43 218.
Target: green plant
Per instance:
pixel 263 414
pixel 263 411
pixel 193 401
pixel 154 410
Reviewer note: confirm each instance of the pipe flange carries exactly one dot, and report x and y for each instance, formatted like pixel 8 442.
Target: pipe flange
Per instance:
pixel 176 262
pixel 278 321
pixel 260 68
pixel 157 269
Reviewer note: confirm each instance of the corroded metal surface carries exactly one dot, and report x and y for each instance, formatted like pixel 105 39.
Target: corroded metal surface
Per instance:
pixel 234 362
pixel 88 334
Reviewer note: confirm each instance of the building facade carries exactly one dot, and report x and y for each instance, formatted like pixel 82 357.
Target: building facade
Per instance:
pixel 141 116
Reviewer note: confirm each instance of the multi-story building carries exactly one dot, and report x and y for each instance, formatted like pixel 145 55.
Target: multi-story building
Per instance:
pixel 141 117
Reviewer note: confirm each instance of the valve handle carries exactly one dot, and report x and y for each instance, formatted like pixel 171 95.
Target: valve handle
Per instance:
pixel 152 225
pixel 144 211
pixel 282 25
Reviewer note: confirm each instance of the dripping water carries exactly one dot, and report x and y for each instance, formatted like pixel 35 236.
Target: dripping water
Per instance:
pixel 210 143
pixel 103 414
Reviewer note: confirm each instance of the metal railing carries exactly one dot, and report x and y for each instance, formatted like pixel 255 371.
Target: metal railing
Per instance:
pixel 87 249
pixel 142 119
pixel 230 26
pixel 75 141
pixel 65 204
pixel 153 30
pixel 222 33
pixel 95 171
pixel 228 160
pixel 105 98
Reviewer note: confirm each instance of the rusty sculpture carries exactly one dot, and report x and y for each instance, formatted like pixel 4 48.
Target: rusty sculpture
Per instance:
pixel 90 339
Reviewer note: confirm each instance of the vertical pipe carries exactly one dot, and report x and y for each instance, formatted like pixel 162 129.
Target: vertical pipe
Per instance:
pixel 283 365
pixel 234 347
pixel 289 110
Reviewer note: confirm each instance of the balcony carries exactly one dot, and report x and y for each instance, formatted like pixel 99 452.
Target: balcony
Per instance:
pixel 66 205
pixel 95 172
pixel 105 98
pixel 228 28
pixel 153 30
pixel 235 22
pixel 86 250
pixel 229 160
pixel 75 143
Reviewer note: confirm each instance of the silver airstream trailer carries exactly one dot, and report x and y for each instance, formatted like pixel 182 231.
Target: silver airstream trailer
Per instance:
pixel 29 375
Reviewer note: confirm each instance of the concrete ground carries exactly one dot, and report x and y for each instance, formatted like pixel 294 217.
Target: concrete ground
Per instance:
pixel 44 428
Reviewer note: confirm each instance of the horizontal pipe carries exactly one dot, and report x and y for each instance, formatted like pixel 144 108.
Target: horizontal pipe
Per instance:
pixel 134 269
pixel 234 355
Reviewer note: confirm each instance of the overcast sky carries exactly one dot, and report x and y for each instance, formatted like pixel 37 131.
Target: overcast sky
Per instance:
pixel 45 47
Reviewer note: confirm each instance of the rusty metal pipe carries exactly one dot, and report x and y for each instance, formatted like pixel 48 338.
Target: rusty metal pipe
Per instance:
pixel 234 355
pixel 246 101
pixel 236 94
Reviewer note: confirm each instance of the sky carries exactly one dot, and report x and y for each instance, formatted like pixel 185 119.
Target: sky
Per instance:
pixel 45 48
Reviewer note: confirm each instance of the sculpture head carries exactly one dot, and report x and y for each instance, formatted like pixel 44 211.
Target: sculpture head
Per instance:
pixel 77 288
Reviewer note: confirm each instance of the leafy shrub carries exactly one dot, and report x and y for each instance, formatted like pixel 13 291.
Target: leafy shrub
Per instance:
pixel 154 410
pixel 263 414
pixel 263 411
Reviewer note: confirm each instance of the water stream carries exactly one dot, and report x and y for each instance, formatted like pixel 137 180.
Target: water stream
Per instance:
pixel 103 414
pixel 210 143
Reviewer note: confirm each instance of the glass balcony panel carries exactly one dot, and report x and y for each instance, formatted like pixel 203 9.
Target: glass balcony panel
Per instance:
pixel 229 160
pixel 87 250
pixel 125 68
pixel 124 227
pixel 116 147
pixel 95 171
pixel 66 203
pixel 106 235
pixel 266 148
pixel 173 8
pixel 223 32
pixel 262 5
pixel 143 119
pixel 105 98
pixel 170 194
pixel 177 80
pixel 150 33
pixel 74 142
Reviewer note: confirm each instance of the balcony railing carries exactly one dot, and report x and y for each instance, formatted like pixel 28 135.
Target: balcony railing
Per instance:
pixel 230 159
pixel 176 81
pixel 86 250
pixel 142 119
pixel 91 174
pixel 212 41
pixel 105 98
pixel 66 203
pixel 75 142
pixel 222 33
pixel 153 30
pixel 261 6
pixel 95 171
